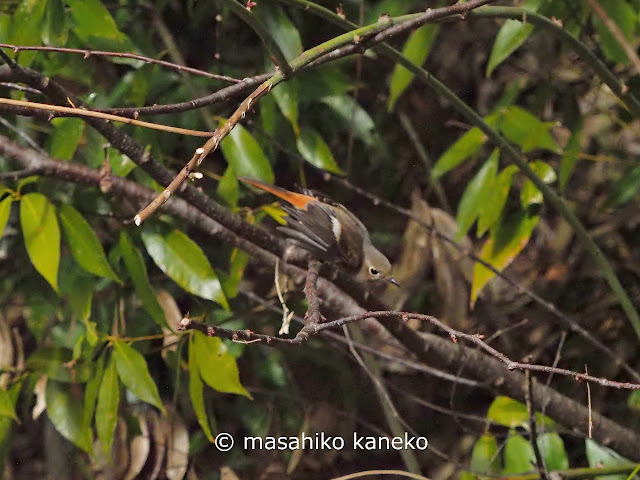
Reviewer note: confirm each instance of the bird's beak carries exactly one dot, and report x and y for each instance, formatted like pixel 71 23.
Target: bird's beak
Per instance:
pixel 392 280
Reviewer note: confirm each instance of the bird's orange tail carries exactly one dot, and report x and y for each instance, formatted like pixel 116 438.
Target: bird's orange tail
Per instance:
pixel 298 200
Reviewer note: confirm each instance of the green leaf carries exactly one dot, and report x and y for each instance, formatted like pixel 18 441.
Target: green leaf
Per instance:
pixel 26 27
pixel 570 156
pixel 322 81
pixel 286 97
pixel 196 392
pixel 91 391
pixel 228 187
pixel 490 214
pixel 238 262
pixel 485 457
pixel 461 150
pixel 315 151
pixel 281 29
pixel 530 194
pixel 84 244
pixel 66 136
pixel 95 26
pixel 633 401
pixel 353 115
pixel 477 194
pixel 512 34
pixel 185 263
pixel 245 155
pixel 218 368
pixel 625 18
pixel 553 452
pixel 5 210
pixel 624 189
pixel 55 30
pixel 525 130
pixel 65 410
pixel 518 455
pixel 6 405
pixel 603 457
pixel 107 407
pixel 416 49
pixel 134 373
pixel 138 271
pixel 121 165
pixel 6 425
pixel 512 413
pixel 41 235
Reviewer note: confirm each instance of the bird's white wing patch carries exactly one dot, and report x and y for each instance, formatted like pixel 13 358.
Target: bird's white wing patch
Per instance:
pixel 336 227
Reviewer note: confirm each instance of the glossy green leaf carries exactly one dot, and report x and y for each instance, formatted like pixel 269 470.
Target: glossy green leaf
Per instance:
pixel 218 368
pixel 41 235
pixel 134 373
pixel 315 151
pixel 5 210
pixel 26 27
pixel 599 457
pixel 95 26
pixel 353 116
pixel 623 15
pixel 417 49
pixel 66 136
pixel 55 30
pixel 491 212
pixel 185 263
pixel 461 150
pixel 512 34
pixel 7 408
pixel 121 165
pixel 196 392
pixel 137 269
pixel 228 187
pixel 525 130
pixel 477 194
pixel 107 407
pixel 518 455
pixel 91 390
pixel 512 413
pixel 553 452
pixel 286 97
pixel 570 157
pixel 625 188
pixel 55 363
pixel 322 81
pixel 245 155
pixel 281 29
pixel 237 264
pixel 485 457
pixel 530 194
pixel 84 244
pixel 65 410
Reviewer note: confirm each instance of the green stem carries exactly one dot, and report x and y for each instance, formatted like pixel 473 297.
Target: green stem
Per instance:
pixel 470 114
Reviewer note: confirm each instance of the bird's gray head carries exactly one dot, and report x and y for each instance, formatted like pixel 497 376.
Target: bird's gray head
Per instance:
pixel 376 266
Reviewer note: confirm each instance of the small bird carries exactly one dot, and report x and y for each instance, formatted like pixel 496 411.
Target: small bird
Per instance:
pixel 330 232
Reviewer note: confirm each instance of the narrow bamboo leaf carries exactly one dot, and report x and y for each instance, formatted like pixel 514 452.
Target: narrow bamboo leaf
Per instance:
pixel 624 189
pixel 55 30
pixel 66 136
pixel 525 130
pixel 315 151
pixel 245 155
pixel 353 115
pixel 461 150
pixel 623 15
pixel 84 244
pixel 553 452
pixel 417 49
pixel 518 455
pixel 134 373
pixel 65 410
pixel 137 269
pixel 196 392
pixel 490 214
pixel 281 28
pixel 485 457
pixel 512 34
pixel 6 405
pixel 570 157
pixel 322 81
pixel 286 97
pixel 26 27
pixel 185 263
pixel 530 194
pixel 5 210
pixel 477 194
pixel 228 187
pixel 91 392
pixel 41 235
pixel 95 26
pixel 107 407
pixel 504 244
pixel 218 368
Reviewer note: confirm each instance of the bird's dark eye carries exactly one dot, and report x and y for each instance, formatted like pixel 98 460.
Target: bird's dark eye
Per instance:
pixel 373 271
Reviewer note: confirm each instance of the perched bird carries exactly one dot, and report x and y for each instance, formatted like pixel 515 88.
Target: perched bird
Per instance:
pixel 330 232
